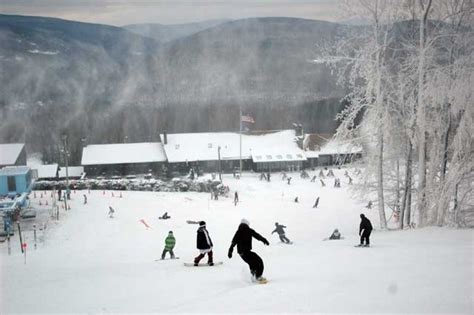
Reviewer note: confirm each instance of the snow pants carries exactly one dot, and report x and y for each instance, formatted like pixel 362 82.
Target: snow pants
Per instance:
pixel 365 236
pixel 255 263
pixel 283 238
pixel 165 251
pixel 201 256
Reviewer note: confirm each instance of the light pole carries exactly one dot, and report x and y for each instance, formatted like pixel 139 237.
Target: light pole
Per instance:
pixel 219 157
pixel 66 153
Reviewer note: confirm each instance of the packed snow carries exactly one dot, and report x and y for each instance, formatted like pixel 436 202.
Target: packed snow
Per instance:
pixel 89 263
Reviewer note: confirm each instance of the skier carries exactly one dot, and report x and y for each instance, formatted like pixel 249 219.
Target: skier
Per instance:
pixel 296 200
pixel 313 179
pixel 204 244
pixel 316 203
pixel 68 193
pixel 336 235
pixel 243 240
pixel 170 241
pixel 85 199
pixel 59 193
pixel 322 183
pixel 350 180
pixel 365 229
pixel 321 174
pixel 165 216
pixel 236 198
pixel 289 180
pixel 281 233
pixel 369 205
pixel 111 212
pixel 268 176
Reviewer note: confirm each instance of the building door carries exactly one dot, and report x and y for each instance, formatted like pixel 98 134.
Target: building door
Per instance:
pixel 11 183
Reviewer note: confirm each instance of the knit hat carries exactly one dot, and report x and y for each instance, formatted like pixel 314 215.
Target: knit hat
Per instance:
pixel 170 232
pixel 245 221
pixel 202 223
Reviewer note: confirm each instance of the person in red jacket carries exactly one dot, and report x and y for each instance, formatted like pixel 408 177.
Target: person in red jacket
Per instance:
pixel 243 240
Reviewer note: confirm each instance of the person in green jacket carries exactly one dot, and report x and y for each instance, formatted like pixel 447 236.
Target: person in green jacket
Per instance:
pixel 170 241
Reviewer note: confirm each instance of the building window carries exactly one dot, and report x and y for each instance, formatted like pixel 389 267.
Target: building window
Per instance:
pixel 289 157
pixel 176 146
pixel 279 156
pixel 209 145
pixel 300 156
pixel 269 157
pixel 11 183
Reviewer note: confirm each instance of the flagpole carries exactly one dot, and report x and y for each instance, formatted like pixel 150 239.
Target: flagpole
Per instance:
pixel 240 138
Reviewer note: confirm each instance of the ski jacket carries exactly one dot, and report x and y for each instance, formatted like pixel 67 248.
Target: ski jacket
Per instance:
pixel 203 239
pixel 243 239
pixel 365 225
pixel 279 229
pixel 170 241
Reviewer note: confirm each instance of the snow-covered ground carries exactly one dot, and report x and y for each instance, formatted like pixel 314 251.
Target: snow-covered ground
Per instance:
pixel 89 263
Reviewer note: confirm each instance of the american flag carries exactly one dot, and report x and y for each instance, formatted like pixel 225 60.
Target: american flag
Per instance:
pixel 247 119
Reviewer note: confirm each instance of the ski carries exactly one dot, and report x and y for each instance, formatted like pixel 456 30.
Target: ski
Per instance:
pixel 203 264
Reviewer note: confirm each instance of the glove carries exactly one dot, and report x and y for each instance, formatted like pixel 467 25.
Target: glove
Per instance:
pixel 229 254
pixel 266 242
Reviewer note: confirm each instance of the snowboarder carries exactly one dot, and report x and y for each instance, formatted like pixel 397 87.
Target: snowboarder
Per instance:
pixel 243 240
pixel 204 244
pixel 281 233
pixel 236 198
pixel 165 216
pixel 365 229
pixel 85 199
pixel 336 235
pixel 111 212
pixel 170 242
pixel 316 203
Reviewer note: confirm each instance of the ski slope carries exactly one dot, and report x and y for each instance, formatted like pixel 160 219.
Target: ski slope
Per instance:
pixel 90 263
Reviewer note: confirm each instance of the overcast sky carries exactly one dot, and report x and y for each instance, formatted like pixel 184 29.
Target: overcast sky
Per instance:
pixel 123 12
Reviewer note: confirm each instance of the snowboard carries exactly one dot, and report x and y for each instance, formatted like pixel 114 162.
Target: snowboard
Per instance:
pixel 203 264
pixel 167 259
pixel 362 246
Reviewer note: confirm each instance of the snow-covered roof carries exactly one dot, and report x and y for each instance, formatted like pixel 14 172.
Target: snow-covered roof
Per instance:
pixel 14 170
pixel 47 170
pixel 311 154
pixel 73 171
pixel 191 147
pixel 339 147
pixel 123 153
pixel 9 153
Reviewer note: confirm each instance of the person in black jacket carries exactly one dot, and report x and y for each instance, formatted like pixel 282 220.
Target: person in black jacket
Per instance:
pixel 365 229
pixel 204 244
pixel 243 240
pixel 281 233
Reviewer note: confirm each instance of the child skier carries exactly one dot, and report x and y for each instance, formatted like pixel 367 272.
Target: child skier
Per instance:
pixel 204 244
pixel 170 242
pixel 336 235
pixel 281 233
pixel 243 240
pixel 365 229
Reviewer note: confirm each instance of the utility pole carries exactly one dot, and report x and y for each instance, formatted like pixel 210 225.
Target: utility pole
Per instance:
pixel 219 157
pixel 240 139
pixel 66 153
